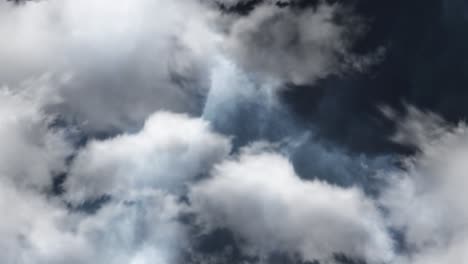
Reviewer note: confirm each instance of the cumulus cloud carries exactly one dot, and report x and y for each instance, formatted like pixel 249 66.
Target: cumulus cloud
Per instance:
pixel 31 151
pixel 261 199
pixel 132 67
pixel 30 232
pixel 38 227
pixel 40 230
pixel 427 201
pixel 125 59
pixel 170 151
pixel 139 230
pixel 298 46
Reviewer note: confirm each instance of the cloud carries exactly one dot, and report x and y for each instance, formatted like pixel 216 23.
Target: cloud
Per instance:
pixel 142 229
pixel 40 230
pixel 183 87
pixel 427 201
pixel 32 152
pixel 293 45
pixel 261 199
pixel 416 127
pixel 169 152
pixel 30 231
pixel 38 227
pixel 145 174
pixel 124 59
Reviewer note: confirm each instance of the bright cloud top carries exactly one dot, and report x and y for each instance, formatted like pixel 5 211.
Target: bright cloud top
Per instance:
pixel 171 151
pixel 262 200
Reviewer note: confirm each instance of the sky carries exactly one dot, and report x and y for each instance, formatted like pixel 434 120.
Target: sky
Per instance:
pixel 233 132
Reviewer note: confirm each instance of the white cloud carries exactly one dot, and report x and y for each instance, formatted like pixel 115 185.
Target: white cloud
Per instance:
pixel 126 58
pixel 29 229
pixel 170 151
pixel 140 230
pixel 110 65
pixel 138 227
pixel 262 200
pixel 37 230
pixel 427 202
pixel 31 152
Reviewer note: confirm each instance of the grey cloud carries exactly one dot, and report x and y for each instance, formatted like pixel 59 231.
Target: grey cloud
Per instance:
pixel 142 229
pixel 298 46
pixel 30 231
pixel 40 230
pixel 38 227
pixel 426 201
pixel 124 60
pixel 261 199
pixel 171 151
pixel 416 127
pixel 115 66
pixel 31 152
